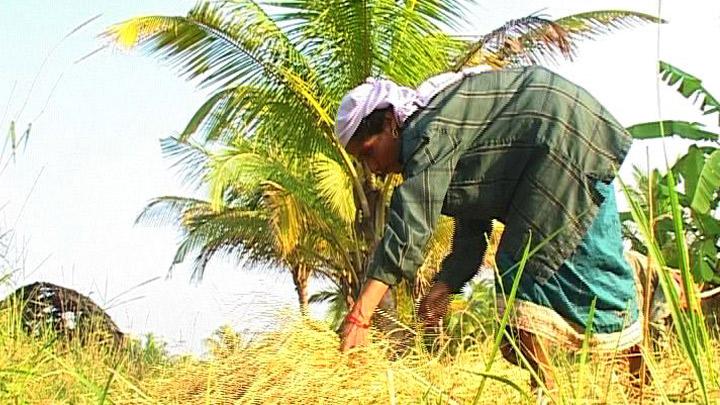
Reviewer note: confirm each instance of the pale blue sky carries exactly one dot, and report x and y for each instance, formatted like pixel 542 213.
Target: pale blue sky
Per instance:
pixel 94 157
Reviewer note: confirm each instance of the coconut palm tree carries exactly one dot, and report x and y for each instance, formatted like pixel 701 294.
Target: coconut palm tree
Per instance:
pixel 272 212
pixel 277 71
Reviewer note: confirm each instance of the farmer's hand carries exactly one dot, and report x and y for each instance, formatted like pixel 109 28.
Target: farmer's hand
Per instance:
pixel 434 305
pixel 354 333
pixel 355 329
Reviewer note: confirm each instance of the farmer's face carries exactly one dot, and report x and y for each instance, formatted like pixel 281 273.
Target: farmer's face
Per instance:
pixel 379 152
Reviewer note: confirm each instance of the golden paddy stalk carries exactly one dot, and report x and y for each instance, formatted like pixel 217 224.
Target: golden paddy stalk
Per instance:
pixel 300 363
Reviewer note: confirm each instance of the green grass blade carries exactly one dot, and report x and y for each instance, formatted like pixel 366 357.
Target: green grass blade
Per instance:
pixel 585 352
pixel 501 379
pixel 506 316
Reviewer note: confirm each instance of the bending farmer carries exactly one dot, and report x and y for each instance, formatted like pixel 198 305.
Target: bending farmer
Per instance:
pixel 526 147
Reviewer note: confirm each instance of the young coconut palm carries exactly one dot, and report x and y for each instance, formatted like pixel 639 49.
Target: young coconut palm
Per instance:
pixel 262 210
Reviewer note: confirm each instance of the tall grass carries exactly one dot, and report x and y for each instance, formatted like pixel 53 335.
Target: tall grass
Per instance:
pixel 688 319
pixel 301 364
pixel 503 323
pixel 45 367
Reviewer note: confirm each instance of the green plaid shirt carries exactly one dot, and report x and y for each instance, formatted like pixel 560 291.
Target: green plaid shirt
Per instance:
pixel 524 146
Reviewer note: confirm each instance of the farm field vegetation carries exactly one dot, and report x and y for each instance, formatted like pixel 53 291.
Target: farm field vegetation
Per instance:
pixel 281 191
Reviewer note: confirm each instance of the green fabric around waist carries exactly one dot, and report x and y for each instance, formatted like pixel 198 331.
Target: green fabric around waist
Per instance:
pixel 596 269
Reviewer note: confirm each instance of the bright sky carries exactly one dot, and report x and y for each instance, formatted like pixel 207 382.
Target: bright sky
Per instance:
pixel 93 160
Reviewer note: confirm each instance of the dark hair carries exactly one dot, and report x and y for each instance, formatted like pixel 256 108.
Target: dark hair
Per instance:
pixel 372 124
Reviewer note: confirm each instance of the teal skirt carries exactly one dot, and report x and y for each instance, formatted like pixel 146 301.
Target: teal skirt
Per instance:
pixel 596 271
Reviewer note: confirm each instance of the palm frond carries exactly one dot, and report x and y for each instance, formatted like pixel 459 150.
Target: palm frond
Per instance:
pixel 231 232
pixel 226 44
pixel 207 110
pixel 323 296
pixel 495 47
pixel 349 40
pixel 213 42
pixel 267 114
pixel 594 23
pixel 411 44
pixel 287 216
pixel 302 216
pixel 437 248
pixel 533 39
pixel 239 168
pixel 336 299
pixel 191 160
pixel 167 210
pixel 334 186
pixel 246 166
pixel 339 29
pixel 274 116
pixel 334 248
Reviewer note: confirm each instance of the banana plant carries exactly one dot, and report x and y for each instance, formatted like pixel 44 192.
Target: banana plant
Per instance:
pixel 699 171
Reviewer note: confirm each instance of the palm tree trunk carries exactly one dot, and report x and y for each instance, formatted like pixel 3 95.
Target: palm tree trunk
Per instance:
pixel 300 279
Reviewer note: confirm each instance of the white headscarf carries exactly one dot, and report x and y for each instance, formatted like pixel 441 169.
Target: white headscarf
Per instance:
pixel 375 94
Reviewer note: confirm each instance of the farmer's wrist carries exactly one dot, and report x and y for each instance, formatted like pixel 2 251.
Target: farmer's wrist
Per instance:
pixel 370 296
pixel 353 319
pixel 358 312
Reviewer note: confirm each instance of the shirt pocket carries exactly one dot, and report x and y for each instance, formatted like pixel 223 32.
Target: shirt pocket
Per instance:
pixel 436 145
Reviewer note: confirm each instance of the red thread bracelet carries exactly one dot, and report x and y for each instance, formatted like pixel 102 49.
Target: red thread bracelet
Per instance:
pixel 353 320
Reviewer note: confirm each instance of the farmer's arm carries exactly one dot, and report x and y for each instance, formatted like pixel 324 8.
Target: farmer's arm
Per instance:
pixel 458 267
pixel 414 211
pixel 468 249
pixel 415 207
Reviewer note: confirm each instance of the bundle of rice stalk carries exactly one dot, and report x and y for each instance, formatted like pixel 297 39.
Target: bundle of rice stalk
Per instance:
pixel 301 363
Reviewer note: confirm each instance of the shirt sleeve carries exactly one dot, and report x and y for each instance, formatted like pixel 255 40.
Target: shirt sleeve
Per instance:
pixel 415 208
pixel 468 249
